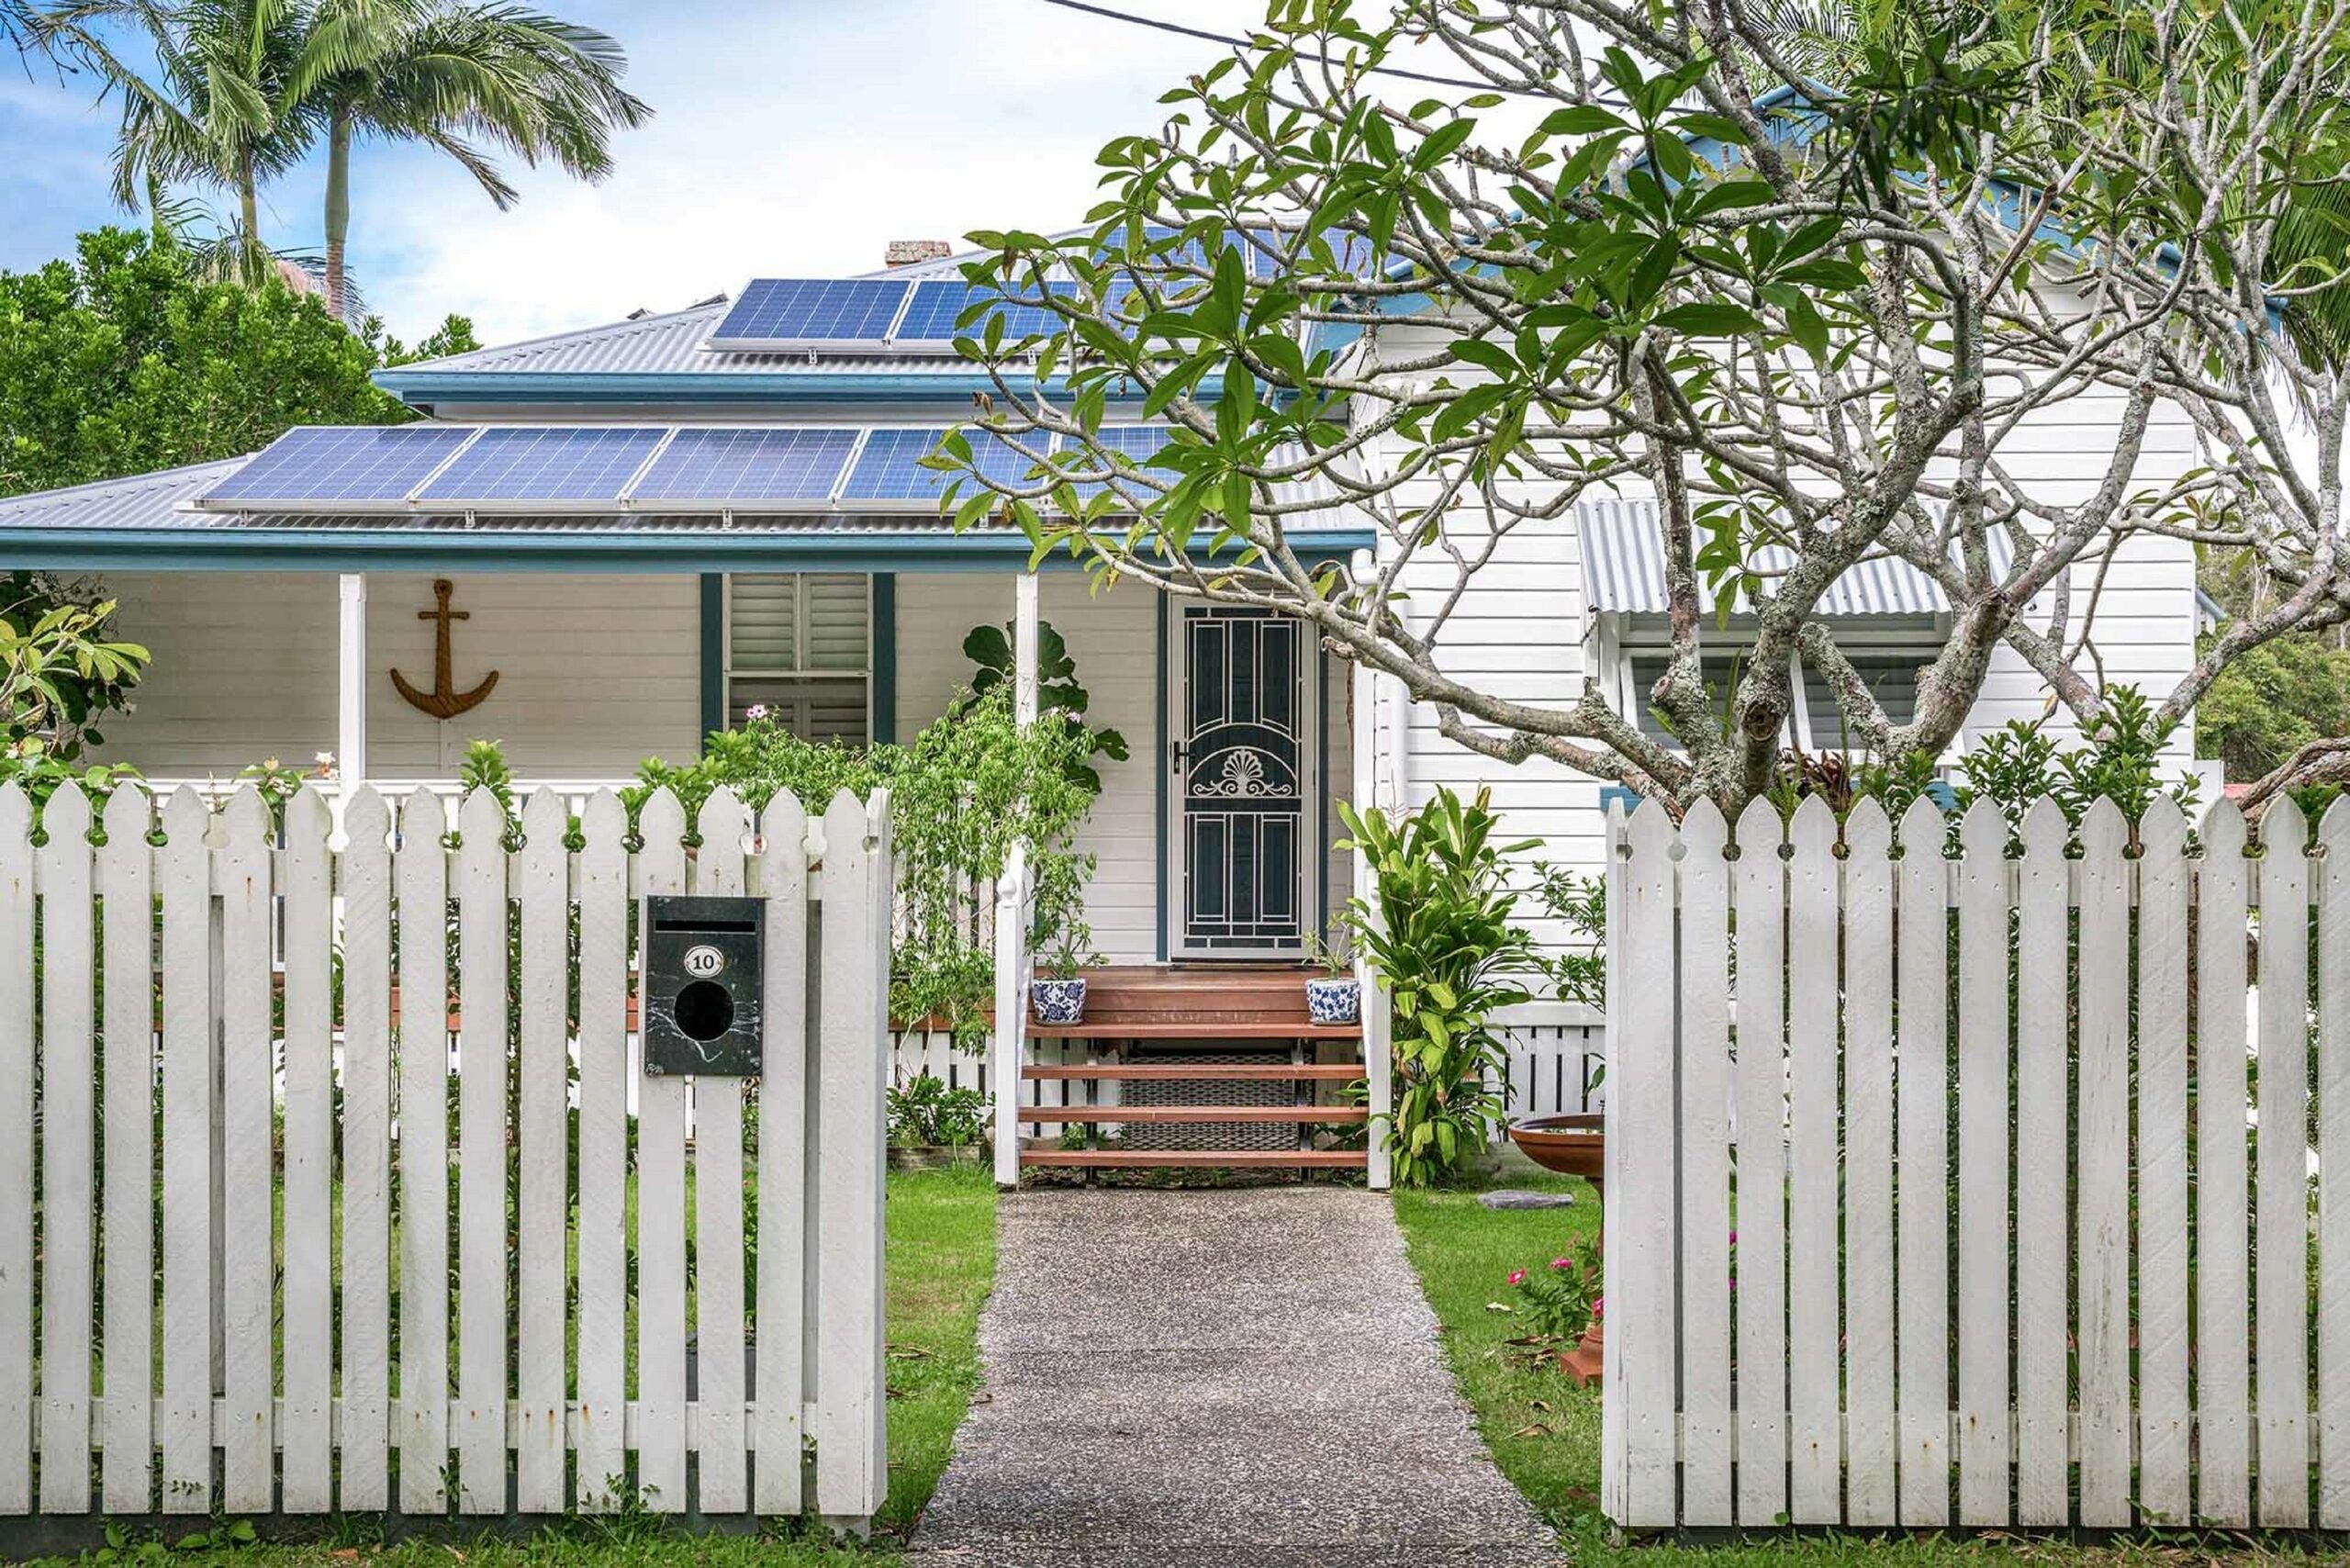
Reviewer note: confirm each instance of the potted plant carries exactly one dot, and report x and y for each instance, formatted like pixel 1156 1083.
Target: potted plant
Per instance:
pixel 931 1124
pixel 1057 994
pixel 1335 996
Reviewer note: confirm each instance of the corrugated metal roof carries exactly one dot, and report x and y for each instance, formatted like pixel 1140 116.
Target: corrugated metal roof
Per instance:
pixel 669 344
pixel 1623 569
pixel 142 502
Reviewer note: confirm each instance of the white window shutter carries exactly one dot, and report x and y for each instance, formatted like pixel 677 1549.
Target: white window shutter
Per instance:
pixel 763 622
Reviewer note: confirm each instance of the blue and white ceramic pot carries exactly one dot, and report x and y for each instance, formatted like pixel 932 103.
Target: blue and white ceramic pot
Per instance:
pixel 1334 1000
pixel 1059 1000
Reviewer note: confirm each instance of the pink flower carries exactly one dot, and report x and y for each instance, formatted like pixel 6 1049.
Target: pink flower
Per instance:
pixel 1598 1307
pixel 755 710
pixel 1562 1262
pixel 1518 1276
pixel 1733 1239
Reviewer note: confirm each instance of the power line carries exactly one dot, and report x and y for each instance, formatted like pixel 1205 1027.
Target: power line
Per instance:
pixel 1205 36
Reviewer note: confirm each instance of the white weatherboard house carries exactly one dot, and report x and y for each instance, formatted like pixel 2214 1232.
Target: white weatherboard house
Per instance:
pixel 646 527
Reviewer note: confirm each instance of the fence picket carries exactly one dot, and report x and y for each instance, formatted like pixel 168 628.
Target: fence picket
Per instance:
pixel 126 883
pixel 2280 1270
pixel 543 870
pixel 2104 1169
pixel 783 1161
pixel 16 898
pixel 67 1115
pixel 424 1153
pixel 183 884
pixel 603 1153
pixel 2162 1427
pixel 2103 1178
pixel 852 1461
pixel 1641 1258
pixel 660 1214
pixel 1813 1324
pixel 366 888
pixel 2334 1174
pixel 2043 1253
pixel 722 1469
pixel 1704 1165
pixel 1983 1446
pixel 2223 1279
pixel 1923 1217
pixel 1759 1011
pixel 480 1424
pixel 248 1107
pixel 308 1439
pixel 1868 1168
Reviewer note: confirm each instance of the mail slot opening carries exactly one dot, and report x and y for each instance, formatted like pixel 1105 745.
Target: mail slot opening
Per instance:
pixel 705 1010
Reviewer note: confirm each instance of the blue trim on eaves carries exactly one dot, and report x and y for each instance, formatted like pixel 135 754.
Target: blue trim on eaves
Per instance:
pixel 882 725
pixel 713 653
pixel 386 550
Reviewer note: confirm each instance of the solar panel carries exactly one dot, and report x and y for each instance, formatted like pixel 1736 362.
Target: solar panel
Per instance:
pixel 715 464
pixel 325 464
pixel 535 465
pixel 889 469
pixel 786 312
pixel 1137 444
pixel 930 319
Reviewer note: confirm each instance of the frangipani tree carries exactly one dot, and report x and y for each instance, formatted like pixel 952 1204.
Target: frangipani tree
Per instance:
pixel 1814 322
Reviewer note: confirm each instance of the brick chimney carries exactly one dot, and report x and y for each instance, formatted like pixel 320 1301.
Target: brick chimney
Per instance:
pixel 908 252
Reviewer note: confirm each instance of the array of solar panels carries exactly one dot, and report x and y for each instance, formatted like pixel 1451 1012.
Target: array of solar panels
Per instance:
pixel 885 315
pixel 458 468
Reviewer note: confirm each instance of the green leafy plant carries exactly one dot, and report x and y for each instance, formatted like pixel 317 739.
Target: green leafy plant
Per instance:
pixel 967 788
pixel 1333 953
pixel 924 1113
pixel 1438 929
pixel 2120 761
pixel 1577 974
pixel 1564 1298
pixel 1059 698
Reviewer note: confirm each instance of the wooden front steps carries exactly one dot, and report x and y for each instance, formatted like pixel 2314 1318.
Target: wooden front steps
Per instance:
pixel 1138 1018
pixel 1199 1158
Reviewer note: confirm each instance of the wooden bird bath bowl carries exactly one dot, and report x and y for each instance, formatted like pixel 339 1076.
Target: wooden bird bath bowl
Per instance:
pixel 1574 1145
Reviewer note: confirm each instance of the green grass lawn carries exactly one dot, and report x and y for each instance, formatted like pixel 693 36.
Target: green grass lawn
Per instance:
pixel 1544 1431
pixel 941 1263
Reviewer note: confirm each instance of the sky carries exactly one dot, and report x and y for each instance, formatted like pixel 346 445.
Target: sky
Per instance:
pixel 789 138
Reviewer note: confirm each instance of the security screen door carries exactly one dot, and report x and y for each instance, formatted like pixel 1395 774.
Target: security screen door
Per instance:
pixel 1242 719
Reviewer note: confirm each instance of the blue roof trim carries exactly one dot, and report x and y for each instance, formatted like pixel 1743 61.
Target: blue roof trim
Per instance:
pixel 701 386
pixel 349 550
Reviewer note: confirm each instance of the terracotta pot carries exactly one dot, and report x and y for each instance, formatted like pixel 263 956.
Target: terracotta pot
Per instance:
pixel 1584 1362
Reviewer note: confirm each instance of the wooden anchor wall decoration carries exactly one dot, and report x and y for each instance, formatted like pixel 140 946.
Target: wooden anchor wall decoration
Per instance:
pixel 444 702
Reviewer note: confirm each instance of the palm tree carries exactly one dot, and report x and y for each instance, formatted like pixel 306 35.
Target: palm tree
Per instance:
pixel 212 111
pixel 454 77
pixel 242 89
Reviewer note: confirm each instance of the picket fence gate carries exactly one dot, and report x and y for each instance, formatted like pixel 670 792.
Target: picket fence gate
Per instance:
pixel 233 1364
pixel 2106 1301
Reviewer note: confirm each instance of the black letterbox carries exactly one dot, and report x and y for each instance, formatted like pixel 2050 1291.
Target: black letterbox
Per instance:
pixel 702 986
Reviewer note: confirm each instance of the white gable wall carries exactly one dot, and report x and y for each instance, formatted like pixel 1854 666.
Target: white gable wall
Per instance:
pixel 1520 629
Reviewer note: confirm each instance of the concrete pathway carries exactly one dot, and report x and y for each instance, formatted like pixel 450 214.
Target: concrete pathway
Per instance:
pixel 1248 1378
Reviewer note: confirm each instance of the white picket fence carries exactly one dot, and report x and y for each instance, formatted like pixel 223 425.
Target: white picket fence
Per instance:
pixel 233 1363
pixel 2092 1307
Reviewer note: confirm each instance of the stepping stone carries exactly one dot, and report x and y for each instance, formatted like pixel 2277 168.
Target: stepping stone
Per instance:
pixel 1525 1198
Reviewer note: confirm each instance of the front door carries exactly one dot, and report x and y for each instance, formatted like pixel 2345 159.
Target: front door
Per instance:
pixel 1242 786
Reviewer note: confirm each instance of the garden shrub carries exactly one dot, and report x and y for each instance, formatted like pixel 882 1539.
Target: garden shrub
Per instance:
pixel 1436 928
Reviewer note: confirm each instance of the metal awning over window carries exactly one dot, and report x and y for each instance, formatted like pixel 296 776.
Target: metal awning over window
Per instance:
pixel 1623 570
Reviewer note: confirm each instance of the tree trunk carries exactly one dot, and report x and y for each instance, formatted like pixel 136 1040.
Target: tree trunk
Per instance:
pixel 249 215
pixel 338 207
